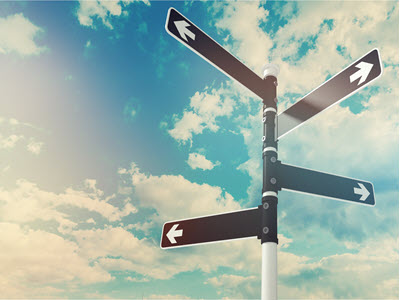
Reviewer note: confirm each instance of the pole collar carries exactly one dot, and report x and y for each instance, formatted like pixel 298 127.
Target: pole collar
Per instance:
pixel 270 70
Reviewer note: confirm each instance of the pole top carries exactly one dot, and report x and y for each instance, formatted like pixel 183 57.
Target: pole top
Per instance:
pixel 270 70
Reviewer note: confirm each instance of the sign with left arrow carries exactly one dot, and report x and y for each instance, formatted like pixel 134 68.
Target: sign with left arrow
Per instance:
pixel 325 184
pixel 213 228
pixel 196 40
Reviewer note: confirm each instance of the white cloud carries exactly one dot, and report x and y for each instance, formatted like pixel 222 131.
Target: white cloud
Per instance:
pixel 146 227
pixel 185 127
pixel 170 195
pixel 356 28
pixel 94 253
pixel 27 203
pixel 17 34
pixel 205 108
pixel 33 260
pixel 134 279
pixel 10 141
pixel 19 131
pixel 34 147
pixel 115 242
pixel 167 296
pixel 88 11
pixel 372 267
pixel 248 41
pixel 235 286
pixel 90 221
pixel 199 161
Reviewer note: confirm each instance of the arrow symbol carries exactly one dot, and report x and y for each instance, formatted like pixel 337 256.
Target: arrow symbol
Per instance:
pixel 183 31
pixel 173 233
pixel 362 191
pixel 363 73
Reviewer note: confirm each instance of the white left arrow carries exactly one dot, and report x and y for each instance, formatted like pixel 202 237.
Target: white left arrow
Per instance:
pixel 362 191
pixel 173 233
pixel 363 73
pixel 183 30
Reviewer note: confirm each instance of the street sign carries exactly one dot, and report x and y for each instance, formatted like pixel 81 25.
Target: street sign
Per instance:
pixel 212 228
pixel 325 185
pixel 356 76
pixel 196 40
pixel 257 222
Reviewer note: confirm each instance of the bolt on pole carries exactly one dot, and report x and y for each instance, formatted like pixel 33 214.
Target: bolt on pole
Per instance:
pixel 269 235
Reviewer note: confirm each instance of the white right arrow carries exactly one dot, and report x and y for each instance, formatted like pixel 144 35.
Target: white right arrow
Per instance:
pixel 363 73
pixel 362 191
pixel 173 233
pixel 183 31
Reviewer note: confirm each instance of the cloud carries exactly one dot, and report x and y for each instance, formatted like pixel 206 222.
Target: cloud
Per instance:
pixel 169 195
pixel 199 161
pixel 34 147
pixel 89 11
pixel 28 203
pixel 131 109
pixel 235 286
pixel 374 260
pixel 167 296
pixel 33 260
pixel 95 253
pixel 354 28
pixel 17 35
pixel 134 279
pixel 10 141
pixel 113 242
pixel 19 131
pixel 204 109
pixel 241 22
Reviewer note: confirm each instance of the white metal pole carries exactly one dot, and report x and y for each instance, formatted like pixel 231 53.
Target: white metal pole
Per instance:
pixel 269 271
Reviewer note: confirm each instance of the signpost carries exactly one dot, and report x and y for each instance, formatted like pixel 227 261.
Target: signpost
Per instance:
pixel 261 222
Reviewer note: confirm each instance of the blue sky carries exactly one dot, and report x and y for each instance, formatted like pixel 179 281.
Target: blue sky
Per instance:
pixel 110 127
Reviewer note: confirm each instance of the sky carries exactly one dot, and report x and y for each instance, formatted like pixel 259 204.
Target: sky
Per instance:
pixel 109 127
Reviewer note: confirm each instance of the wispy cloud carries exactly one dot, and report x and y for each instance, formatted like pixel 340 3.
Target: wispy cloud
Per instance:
pixel 35 147
pixel 199 161
pixel 19 132
pixel 9 141
pixel 105 11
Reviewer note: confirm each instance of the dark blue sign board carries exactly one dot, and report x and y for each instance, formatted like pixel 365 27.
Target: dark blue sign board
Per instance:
pixel 325 184
pixel 356 76
pixel 196 40
pixel 234 225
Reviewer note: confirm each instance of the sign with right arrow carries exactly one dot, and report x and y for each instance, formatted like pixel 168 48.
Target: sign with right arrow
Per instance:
pixel 325 184
pixel 356 76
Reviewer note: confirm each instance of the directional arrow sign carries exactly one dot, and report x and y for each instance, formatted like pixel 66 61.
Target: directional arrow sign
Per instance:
pixel 212 228
pixel 356 76
pixel 324 184
pixel 196 40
